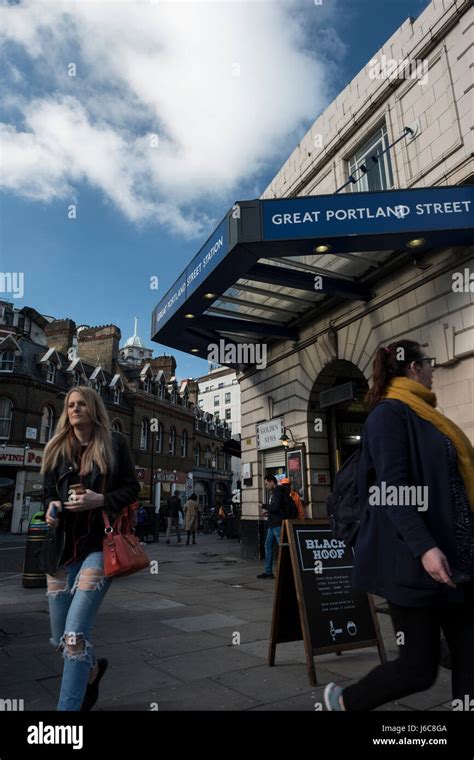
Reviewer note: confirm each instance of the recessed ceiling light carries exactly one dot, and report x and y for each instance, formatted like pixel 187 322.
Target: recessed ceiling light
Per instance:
pixel 416 243
pixel 209 296
pixel 322 249
pixel 189 316
pixel 195 350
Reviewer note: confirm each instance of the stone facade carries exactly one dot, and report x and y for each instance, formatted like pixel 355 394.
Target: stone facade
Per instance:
pixel 413 300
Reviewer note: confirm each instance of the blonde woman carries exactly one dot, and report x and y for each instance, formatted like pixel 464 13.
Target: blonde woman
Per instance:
pixel 191 512
pixel 86 468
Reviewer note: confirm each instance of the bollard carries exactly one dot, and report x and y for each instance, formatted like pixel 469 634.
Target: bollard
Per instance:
pixel 33 577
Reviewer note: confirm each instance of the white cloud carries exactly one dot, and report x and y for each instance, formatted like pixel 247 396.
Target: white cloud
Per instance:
pixel 224 85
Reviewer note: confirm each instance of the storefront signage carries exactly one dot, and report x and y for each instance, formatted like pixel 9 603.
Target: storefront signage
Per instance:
pixel 368 213
pixel 269 433
pixel 12 456
pixel 31 433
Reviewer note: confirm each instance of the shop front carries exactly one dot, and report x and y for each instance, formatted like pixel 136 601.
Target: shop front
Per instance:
pixel 21 487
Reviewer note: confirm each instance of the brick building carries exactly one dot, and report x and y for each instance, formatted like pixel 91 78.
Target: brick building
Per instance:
pixel 41 358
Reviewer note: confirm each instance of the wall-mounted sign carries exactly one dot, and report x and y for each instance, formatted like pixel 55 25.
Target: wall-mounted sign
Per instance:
pixel 321 479
pixel 31 433
pixel 13 456
pixel 295 465
pixel 269 433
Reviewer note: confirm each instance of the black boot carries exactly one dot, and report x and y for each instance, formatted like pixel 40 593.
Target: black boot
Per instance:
pixel 92 692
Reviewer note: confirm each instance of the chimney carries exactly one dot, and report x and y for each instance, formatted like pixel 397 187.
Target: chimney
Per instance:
pixel 60 334
pixel 165 363
pixel 99 345
pixel 193 390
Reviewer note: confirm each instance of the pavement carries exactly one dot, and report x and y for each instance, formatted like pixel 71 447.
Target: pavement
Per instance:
pixel 191 636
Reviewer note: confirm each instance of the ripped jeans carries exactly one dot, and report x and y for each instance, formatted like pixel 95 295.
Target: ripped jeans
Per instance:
pixel 75 594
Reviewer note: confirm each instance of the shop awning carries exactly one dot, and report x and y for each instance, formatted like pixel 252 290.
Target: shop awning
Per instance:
pixel 270 264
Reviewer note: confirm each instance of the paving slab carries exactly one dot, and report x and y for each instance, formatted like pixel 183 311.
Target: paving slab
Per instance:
pixel 205 695
pixel 203 622
pixel 212 662
pixel 177 644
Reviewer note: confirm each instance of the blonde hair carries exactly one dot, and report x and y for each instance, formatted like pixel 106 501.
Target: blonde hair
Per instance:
pixel 65 445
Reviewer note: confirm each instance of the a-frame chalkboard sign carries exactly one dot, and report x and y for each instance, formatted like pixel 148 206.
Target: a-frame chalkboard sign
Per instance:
pixel 314 600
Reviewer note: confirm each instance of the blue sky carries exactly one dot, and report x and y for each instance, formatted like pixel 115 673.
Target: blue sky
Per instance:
pixel 173 113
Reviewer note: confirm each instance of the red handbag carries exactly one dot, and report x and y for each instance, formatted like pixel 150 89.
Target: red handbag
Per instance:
pixel 123 553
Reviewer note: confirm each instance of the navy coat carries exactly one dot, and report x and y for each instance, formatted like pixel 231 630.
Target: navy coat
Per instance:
pixel 400 448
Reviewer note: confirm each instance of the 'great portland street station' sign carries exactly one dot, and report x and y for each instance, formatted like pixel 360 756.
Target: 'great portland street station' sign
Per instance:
pixel 367 213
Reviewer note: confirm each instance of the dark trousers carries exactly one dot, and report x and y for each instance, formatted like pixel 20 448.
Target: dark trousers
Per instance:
pixel 417 665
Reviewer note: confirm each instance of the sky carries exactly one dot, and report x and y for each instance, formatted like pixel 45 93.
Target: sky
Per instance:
pixel 128 129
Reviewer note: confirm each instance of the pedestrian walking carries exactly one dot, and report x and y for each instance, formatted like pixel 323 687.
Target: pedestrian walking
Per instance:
pixel 415 547
pixel 273 512
pixel 174 509
pixel 87 469
pixel 191 515
pixel 295 496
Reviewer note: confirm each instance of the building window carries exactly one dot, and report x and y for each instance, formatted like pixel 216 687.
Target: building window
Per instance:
pixel 228 414
pixel 159 439
pixel 47 424
pixel 147 385
pixel 5 417
pixel 227 398
pixel 161 391
pixel 174 397
pixel 97 386
pixel 117 395
pixel 184 444
pixel 144 434
pixel 216 400
pixel 221 385
pixel 172 441
pixel 117 426
pixel 50 372
pixel 201 403
pixel 7 361
pixel 77 379
pixel 379 173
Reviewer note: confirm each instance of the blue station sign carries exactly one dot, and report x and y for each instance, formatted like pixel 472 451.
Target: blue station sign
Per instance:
pixel 197 271
pixel 368 213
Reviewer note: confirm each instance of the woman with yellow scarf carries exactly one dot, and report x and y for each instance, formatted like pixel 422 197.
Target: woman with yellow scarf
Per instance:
pixel 415 545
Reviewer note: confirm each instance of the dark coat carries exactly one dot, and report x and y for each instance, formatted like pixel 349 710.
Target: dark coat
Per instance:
pixel 400 448
pixel 275 507
pixel 174 507
pixel 121 488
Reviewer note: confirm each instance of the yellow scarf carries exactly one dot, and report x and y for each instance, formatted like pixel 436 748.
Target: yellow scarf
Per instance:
pixel 423 401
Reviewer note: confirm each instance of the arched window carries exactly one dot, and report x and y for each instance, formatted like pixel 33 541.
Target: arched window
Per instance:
pixel 172 441
pixel 47 424
pixel 117 426
pixel 159 439
pixel 197 455
pixel 144 434
pixel 7 361
pixel 184 444
pixel 5 417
